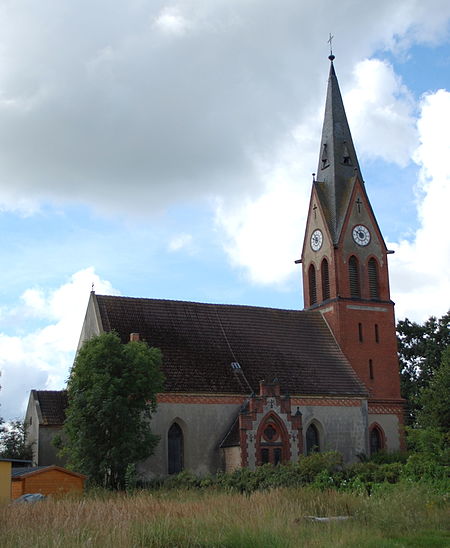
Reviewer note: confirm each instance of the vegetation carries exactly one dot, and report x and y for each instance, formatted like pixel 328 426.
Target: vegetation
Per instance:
pixel 422 350
pixel 13 441
pixel 403 515
pixel 112 393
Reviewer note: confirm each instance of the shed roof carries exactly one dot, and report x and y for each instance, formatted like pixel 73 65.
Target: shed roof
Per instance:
pixel 17 473
pixel 200 341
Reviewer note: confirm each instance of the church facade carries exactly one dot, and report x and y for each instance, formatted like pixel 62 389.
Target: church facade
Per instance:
pixel 250 385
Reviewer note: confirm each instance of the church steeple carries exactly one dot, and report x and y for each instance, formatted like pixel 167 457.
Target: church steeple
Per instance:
pixel 338 163
pixel 344 257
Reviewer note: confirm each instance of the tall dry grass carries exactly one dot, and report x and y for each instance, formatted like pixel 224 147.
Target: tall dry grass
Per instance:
pixel 216 519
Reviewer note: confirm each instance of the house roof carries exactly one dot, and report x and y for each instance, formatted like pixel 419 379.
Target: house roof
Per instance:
pixel 17 473
pixel 53 405
pixel 199 343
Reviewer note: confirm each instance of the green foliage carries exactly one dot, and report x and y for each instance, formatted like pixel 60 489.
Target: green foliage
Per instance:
pixel 435 398
pixel 427 465
pixel 130 478
pixel 245 480
pixel 420 349
pixel 13 441
pixel 112 393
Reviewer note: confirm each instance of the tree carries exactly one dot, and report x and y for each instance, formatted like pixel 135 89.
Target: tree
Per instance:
pixel 112 393
pixel 13 441
pixel 435 398
pixel 420 349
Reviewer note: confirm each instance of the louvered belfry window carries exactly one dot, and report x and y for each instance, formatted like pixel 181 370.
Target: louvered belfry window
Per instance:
pixel 312 285
pixel 353 275
pixel 325 280
pixel 373 279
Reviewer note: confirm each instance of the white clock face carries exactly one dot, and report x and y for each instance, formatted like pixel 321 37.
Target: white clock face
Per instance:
pixel 361 235
pixel 316 240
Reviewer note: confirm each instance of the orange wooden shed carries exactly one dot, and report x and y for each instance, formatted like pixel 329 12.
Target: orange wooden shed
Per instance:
pixel 48 480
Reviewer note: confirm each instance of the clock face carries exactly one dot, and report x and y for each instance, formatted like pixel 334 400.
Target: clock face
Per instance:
pixel 361 235
pixel 316 240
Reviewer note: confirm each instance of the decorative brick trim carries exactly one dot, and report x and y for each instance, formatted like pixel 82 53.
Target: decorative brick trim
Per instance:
pixel 386 409
pixel 203 399
pixel 326 401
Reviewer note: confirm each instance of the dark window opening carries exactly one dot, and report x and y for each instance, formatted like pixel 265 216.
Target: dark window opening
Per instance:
pixel 377 335
pixel 312 285
pixel 360 332
pixel 175 449
pixel 277 455
pixel 376 441
pixel 312 440
pixel 346 156
pixel 265 456
pixel 371 369
pixel 373 279
pixel 353 275
pixel 324 157
pixel 325 280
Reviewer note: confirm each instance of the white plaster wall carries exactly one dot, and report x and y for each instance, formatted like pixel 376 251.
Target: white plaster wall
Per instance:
pixel 390 425
pixel 342 429
pixel 204 427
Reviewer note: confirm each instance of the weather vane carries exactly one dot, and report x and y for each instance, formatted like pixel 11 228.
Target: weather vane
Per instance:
pixel 92 286
pixel 330 41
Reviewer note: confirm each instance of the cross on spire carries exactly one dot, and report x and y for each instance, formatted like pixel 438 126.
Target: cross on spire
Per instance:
pixel 330 41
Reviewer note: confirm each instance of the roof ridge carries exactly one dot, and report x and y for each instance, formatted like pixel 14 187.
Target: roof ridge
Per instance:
pixel 152 299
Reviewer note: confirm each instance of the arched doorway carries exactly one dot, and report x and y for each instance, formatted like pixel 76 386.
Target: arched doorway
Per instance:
pixel 175 445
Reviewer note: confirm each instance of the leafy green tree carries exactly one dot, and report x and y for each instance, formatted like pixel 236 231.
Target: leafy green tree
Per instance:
pixel 420 348
pixel 13 441
pixel 435 398
pixel 112 393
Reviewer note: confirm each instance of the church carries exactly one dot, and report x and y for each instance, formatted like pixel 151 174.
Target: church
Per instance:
pixel 250 385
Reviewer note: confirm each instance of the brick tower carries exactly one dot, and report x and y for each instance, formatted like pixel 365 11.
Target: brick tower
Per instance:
pixel 345 272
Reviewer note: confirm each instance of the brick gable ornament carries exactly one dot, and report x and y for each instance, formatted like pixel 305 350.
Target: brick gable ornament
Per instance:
pixel 269 431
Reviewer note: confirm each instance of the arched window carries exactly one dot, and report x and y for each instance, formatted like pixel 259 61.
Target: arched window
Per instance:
pixel 373 279
pixel 175 449
pixel 353 276
pixel 325 280
pixel 312 285
pixel 376 440
pixel 312 440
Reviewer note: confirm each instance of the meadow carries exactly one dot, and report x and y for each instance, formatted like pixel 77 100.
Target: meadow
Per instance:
pixel 393 515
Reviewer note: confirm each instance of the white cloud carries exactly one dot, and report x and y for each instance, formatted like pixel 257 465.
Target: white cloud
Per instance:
pixel 41 358
pixel 151 103
pixel 380 111
pixel 181 241
pixel 264 234
pixel 420 269
pixel 171 21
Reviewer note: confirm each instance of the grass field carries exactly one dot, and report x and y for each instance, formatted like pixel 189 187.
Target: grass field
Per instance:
pixel 396 515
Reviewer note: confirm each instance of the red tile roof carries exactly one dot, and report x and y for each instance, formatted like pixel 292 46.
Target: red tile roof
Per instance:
pixel 200 341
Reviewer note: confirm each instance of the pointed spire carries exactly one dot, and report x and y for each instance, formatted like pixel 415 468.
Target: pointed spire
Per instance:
pixel 338 163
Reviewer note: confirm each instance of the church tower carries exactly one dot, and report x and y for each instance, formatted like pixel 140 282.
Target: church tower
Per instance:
pixel 345 272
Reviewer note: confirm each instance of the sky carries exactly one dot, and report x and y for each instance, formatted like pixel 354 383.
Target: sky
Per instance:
pixel 165 149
